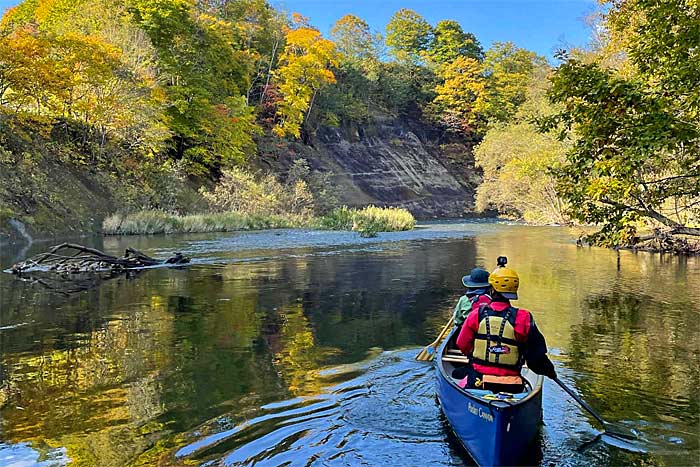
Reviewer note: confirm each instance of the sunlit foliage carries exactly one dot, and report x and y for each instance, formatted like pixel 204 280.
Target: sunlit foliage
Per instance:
pixel 636 160
pixel 460 95
pixel 408 36
pixel 517 160
pixel 353 38
pixel 304 70
pixel 451 42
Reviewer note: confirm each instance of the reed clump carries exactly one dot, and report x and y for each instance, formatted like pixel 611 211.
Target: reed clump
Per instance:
pixel 367 221
pixel 159 222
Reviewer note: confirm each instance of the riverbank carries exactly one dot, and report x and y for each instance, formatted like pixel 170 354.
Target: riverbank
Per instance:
pixel 367 221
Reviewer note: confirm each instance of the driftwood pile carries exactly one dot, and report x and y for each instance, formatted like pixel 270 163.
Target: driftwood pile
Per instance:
pixel 70 258
pixel 660 241
pixel 673 241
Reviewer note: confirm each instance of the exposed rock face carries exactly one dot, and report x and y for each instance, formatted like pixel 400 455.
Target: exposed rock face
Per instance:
pixel 395 163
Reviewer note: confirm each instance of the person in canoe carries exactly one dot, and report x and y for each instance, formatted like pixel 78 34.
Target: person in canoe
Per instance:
pixel 477 284
pixel 499 338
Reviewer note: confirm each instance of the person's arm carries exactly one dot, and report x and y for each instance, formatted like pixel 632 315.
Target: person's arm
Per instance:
pixel 536 353
pixel 461 309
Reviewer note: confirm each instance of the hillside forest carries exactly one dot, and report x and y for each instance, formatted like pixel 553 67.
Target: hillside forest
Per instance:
pixel 168 106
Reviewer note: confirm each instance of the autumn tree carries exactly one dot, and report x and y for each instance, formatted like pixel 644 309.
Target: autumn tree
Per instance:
pixel 206 74
pixel 261 30
pixel 353 38
pixel 517 162
pixel 408 36
pixel 29 74
pixel 304 70
pixel 357 73
pixel 460 94
pixel 101 66
pixel 507 70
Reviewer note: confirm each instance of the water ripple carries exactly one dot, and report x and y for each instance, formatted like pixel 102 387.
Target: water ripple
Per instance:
pixel 385 404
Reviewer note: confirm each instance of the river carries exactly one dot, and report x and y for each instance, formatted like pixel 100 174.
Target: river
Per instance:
pixel 297 348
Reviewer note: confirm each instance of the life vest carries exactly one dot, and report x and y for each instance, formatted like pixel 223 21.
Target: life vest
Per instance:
pixel 495 344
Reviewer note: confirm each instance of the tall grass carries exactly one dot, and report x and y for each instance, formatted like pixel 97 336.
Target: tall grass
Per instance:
pixel 367 221
pixel 159 222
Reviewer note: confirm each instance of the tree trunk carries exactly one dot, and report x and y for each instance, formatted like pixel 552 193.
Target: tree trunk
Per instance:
pixel 269 70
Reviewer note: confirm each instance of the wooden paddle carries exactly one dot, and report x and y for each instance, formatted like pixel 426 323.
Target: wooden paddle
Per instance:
pixel 428 352
pixel 609 428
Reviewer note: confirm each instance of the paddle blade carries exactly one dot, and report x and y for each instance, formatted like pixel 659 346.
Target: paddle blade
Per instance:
pixel 620 431
pixel 426 354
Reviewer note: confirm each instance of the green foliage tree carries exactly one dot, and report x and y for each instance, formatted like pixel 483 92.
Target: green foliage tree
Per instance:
pixel 636 159
pixel 206 72
pixel 507 69
pixel 353 38
pixel 451 42
pixel 357 73
pixel 408 36
pixel 261 29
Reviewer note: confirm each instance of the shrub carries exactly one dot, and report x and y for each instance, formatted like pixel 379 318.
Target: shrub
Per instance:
pixel 338 219
pixel 370 220
pixel 323 191
pixel 240 191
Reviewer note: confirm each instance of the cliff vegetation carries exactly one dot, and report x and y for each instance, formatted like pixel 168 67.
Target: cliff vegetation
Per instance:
pixel 137 104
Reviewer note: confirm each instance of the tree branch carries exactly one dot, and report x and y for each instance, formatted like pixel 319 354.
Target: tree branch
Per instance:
pixel 676 227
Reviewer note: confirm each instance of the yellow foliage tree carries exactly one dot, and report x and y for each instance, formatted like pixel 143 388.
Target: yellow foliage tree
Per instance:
pixel 29 74
pixel 304 69
pixel 462 90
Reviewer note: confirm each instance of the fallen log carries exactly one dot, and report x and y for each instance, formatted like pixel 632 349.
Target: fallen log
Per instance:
pixel 71 258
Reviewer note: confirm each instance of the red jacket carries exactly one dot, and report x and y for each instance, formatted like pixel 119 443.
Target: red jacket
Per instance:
pixel 467 335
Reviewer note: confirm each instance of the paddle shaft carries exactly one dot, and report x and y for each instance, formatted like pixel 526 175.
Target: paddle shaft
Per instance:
pixel 427 353
pixel 445 331
pixel 581 402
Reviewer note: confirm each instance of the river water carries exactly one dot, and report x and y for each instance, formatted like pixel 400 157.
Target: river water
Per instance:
pixel 293 348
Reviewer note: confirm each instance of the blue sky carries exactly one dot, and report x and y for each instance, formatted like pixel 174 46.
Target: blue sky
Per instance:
pixel 539 25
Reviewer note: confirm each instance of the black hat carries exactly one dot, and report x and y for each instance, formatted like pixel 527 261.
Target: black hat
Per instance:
pixel 476 279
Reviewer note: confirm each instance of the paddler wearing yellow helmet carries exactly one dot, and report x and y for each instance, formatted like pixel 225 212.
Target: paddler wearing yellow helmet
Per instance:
pixel 499 338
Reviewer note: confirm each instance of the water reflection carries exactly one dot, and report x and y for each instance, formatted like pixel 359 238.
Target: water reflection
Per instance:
pixel 252 353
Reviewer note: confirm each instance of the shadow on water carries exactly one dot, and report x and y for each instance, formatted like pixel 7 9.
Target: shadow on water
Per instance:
pixel 287 348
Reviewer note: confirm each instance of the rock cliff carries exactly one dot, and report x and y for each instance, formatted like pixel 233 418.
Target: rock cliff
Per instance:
pixel 392 162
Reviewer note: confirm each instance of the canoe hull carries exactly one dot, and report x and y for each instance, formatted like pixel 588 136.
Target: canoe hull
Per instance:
pixel 494 433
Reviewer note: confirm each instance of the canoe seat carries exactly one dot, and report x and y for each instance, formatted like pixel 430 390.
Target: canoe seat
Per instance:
pixel 455 358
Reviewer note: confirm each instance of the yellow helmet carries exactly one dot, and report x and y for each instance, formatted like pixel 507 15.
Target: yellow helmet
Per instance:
pixel 505 281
